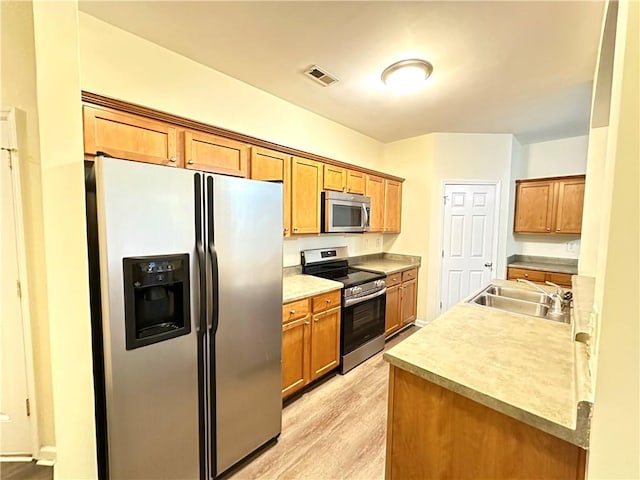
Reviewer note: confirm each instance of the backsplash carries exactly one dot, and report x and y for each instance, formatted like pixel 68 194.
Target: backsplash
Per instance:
pixel 357 244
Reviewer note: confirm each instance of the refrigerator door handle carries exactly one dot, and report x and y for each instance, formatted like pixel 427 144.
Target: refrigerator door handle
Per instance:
pixel 202 267
pixel 212 323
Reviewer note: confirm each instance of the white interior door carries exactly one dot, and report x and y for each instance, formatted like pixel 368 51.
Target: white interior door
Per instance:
pixel 15 428
pixel 467 241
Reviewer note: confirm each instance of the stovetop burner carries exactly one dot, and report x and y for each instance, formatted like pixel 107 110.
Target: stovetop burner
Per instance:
pixel 332 263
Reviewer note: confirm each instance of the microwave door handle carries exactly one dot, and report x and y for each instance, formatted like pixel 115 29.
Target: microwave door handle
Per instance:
pixel 366 224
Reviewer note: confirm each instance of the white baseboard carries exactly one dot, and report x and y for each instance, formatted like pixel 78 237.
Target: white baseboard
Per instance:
pixel 420 323
pixel 47 455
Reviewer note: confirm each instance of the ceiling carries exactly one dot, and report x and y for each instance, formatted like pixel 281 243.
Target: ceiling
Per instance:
pixel 523 67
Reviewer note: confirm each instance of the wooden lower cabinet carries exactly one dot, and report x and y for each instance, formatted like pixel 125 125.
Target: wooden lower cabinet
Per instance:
pixel 392 314
pixel 295 355
pixel 433 432
pixel 538 276
pixel 310 340
pixel 409 301
pixel 402 300
pixel 325 342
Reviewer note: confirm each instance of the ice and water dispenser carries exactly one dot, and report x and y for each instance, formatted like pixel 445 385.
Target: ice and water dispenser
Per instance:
pixel 156 296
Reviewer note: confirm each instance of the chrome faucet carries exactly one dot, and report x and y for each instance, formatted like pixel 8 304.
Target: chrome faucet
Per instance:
pixel 556 296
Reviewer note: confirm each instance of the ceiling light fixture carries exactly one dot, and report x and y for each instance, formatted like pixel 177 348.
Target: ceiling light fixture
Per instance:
pixel 407 76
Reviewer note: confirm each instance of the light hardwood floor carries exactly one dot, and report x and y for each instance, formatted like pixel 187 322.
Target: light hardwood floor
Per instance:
pixel 334 431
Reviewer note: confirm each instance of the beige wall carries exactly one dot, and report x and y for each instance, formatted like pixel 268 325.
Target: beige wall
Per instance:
pixel 615 432
pixel 413 159
pixel 65 268
pixel 18 89
pixel 426 162
pixel 121 65
pixel 593 210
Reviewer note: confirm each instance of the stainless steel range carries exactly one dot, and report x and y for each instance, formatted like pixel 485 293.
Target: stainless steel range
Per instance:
pixel 363 303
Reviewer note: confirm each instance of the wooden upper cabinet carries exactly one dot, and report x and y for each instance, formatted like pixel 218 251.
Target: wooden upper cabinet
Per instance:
pixel 569 206
pixel 129 137
pixel 335 178
pixel 392 206
pixel 549 205
pixel 306 185
pixel 356 182
pixel 375 190
pixel 534 206
pixel 269 165
pixel 211 153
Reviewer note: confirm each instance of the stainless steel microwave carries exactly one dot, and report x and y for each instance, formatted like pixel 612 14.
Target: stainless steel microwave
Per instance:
pixel 345 212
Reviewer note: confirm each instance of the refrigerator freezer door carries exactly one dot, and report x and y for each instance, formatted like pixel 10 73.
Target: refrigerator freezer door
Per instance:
pixel 248 339
pixel 152 390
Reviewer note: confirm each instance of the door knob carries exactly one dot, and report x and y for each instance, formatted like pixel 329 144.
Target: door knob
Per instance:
pixel 488 264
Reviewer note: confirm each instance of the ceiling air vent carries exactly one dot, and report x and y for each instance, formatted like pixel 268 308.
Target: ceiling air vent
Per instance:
pixel 323 77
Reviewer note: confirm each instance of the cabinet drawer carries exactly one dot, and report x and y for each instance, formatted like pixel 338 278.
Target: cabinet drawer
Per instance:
pixel 394 279
pixel 409 274
pixel 562 279
pixel 326 300
pixel 532 275
pixel 295 310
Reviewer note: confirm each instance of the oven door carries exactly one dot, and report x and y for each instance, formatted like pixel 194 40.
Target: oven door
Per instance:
pixel 362 321
pixel 345 216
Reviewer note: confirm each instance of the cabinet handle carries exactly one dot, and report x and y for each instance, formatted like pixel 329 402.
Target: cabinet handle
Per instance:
pixel 548 229
pixel 307 323
pixel 172 159
pixel 328 300
pixel 557 229
pixel 315 320
pixel 190 162
pixel 526 275
pixel 295 229
pixel 292 312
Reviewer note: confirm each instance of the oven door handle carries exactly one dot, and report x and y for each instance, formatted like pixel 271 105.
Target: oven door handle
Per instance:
pixel 355 301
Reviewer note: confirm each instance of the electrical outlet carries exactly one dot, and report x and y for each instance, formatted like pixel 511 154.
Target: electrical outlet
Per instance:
pixel 378 242
pixel 571 246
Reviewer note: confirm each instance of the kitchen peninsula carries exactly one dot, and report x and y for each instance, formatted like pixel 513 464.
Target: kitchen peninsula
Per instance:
pixel 484 393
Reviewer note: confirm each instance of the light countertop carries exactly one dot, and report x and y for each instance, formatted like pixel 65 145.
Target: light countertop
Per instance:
pixel 525 367
pixel 386 266
pixel 296 287
pixel 545 264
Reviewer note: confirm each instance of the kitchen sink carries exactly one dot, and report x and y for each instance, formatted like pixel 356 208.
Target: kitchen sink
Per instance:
pixel 518 294
pixel 518 300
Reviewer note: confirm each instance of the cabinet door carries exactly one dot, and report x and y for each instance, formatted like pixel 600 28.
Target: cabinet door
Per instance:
pixel 214 154
pixel 325 342
pixel 531 275
pixel 306 184
pixel 270 165
pixel 534 207
pixel 392 206
pixel 562 279
pixel 130 137
pixel 392 313
pixel 409 301
pixel 570 199
pixel 356 182
pixel 335 178
pixel 295 355
pixel 375 190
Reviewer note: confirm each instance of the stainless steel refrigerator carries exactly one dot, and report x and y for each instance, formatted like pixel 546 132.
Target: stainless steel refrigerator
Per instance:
pixel 186 300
